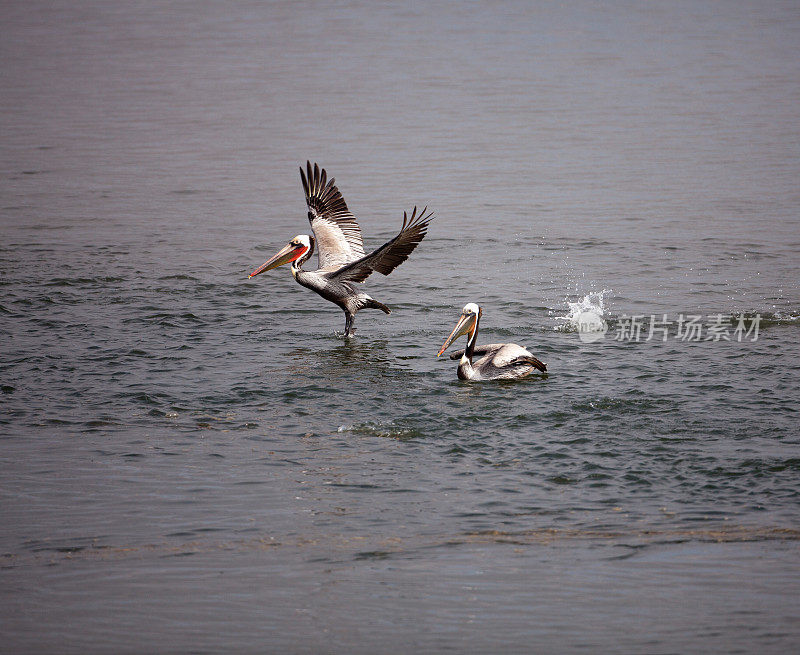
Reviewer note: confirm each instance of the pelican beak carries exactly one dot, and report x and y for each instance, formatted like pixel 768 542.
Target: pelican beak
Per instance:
pixel 287 254
pixel 464 326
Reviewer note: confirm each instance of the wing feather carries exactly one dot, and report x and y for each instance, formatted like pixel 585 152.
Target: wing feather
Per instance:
pixel 528 360
pixel 391 254
pixel 337 232
pixel 500 358
pixel 479 350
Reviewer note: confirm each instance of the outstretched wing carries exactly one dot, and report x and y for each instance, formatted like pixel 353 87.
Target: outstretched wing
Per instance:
pixel 391 254
pixel 337 233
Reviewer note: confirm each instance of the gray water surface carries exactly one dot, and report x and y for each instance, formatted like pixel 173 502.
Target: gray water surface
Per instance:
pixel 194 462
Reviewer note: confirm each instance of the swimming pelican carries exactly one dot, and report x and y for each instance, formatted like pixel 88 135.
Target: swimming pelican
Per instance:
pixel 500 361
pixel 342 261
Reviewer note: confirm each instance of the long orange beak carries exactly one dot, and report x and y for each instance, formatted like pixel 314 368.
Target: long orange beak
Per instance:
pixel 287 254
pixel 464 326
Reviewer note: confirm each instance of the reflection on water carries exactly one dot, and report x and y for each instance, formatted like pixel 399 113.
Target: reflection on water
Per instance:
pixel 348 360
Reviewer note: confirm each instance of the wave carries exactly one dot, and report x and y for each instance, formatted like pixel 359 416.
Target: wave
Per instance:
pixel 770 319
pixel 386 430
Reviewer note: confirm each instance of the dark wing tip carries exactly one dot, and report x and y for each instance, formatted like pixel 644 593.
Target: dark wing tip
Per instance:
pixel 537 364
pixel 411 234
pixel 321 194
pixel 304 180
pixel 422 218
pixel 310 178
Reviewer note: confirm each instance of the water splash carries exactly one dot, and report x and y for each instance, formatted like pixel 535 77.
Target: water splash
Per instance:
pixel 593 303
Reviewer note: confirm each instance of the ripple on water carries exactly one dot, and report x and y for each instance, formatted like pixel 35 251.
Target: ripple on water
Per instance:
pixel 387 430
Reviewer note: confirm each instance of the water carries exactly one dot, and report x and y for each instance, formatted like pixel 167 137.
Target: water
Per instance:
pixel 195 462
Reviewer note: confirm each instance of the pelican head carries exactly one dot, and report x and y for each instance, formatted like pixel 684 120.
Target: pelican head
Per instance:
pixel 467 323
pixel 292 251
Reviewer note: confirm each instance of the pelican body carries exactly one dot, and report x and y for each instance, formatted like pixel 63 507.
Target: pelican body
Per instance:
pixel 500 361
pixel 342 260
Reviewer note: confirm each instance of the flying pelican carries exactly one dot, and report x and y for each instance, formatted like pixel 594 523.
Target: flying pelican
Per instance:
pixel 500 361
pixel 342 261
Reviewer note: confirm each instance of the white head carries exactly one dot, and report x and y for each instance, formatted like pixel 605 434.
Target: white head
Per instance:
pixel 303 239
pixel 467 324
pixel 299 247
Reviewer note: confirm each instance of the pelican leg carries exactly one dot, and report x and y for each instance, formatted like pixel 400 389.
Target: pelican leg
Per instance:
pixel 349 330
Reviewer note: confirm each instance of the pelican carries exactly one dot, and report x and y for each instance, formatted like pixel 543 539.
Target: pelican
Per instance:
pixel 342 260
pixel 500 361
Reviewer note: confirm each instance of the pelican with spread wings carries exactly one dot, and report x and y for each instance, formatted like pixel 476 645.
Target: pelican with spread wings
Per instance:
pixel 342 260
